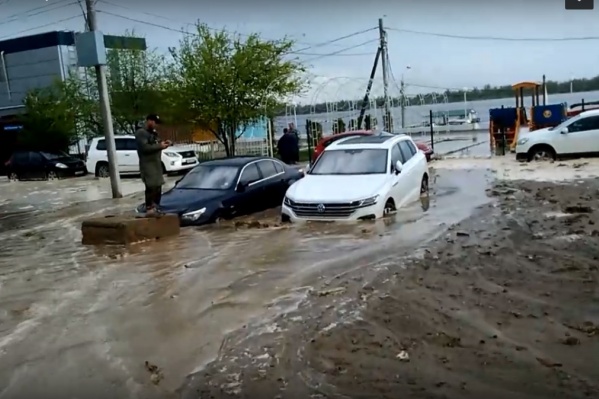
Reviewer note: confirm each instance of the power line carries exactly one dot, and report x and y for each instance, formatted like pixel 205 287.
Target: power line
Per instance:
pixel 107 2
pixel 327 54
pixel 497 38
pixel 328 42
pixel 342 50
pixel 316 55
pixel 15 34
pixel 406 84
pixel 39 10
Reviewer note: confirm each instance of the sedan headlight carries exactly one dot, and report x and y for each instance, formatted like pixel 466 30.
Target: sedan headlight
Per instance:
pixel 172 154
pixel 61 165
pixel 193 216
pixel 522 141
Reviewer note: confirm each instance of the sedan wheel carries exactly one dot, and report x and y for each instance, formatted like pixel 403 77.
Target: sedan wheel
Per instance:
pixel 52 175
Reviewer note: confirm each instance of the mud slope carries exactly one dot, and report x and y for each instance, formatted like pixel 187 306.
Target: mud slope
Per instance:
pixel 505 305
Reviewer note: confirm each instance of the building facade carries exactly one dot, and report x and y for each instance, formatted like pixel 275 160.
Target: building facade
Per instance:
pixel 36 62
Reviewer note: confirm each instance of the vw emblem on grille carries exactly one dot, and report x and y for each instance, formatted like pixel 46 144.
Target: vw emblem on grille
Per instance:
pixel 320 208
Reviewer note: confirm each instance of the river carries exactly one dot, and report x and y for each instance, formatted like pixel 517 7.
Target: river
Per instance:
pixel 417 113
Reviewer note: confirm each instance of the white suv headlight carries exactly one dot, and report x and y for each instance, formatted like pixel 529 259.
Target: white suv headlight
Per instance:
pixel 193 216
pixel 370 201
pixel 522 141
pixel 172 154
pixel 367 202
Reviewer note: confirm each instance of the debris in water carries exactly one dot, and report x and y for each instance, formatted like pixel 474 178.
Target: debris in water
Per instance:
pixel 156 374
pixel 332 291
pixel 548 363
pixel 403 356
pixel 570 341
pixel 578 209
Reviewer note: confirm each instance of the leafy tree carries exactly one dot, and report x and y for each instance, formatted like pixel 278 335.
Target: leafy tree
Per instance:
pixel 137 84
pixel 51 118
pixel 224 82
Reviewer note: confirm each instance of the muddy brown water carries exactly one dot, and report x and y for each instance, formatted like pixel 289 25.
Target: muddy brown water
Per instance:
pixel 501 305
pixel 79 320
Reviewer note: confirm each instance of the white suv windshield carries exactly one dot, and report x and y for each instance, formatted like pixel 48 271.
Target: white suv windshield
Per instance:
pixel 567 122
pixel 351 162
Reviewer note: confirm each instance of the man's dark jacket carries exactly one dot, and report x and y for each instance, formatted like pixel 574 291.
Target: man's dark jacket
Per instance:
pixel 288 148
pixel 149 150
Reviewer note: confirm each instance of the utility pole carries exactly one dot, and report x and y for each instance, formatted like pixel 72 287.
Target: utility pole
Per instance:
pixel 115 180
pixel 402 98
pixel 368 88
pixel 384 60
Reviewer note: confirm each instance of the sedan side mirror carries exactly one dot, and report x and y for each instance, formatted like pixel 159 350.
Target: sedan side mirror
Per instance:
pixel 398 167
pixel 240 187
pixel 564 131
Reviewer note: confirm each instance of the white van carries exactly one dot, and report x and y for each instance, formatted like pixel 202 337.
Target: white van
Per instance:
pixel 174 159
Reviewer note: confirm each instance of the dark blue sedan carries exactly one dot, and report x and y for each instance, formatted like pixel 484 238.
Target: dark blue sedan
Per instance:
pixel 228 187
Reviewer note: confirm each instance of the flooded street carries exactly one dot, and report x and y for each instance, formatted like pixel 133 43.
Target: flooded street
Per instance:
pixel 82 320
pixel 502 304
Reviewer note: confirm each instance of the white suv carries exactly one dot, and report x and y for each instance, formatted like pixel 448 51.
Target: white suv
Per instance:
pixel 359 178
pixel 174 159
pixel 577 136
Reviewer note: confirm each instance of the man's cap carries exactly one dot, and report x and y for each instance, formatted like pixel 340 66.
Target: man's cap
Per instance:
pixel 153 117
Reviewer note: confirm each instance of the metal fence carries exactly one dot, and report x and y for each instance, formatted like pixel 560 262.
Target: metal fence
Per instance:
pixel 212 150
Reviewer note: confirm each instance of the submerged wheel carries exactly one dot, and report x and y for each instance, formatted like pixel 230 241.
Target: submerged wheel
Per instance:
pixel 285 218
pixel 12 176
pixel 51 175
pixel 541 153
pixel 424 185
pixel 217 217
pixel 389 207
pixel 102 170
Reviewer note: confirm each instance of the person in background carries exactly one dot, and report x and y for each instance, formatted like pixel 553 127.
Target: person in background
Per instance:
pixel 149 150
pixel 293 130
pixel 288 146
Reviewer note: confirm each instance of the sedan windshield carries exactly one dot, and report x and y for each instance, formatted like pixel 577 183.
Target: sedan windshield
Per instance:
pixel 54 155
pixel 351 162
pixel 209 178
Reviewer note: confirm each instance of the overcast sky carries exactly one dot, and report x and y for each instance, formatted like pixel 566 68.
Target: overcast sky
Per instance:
pixel 434 61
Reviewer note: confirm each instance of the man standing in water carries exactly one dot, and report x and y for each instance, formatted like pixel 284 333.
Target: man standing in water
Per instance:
pixel 149 150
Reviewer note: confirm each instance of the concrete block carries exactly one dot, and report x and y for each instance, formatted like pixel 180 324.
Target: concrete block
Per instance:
pixel 125 230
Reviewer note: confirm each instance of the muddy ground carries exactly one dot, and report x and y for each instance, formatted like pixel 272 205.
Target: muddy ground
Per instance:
pixel 505 304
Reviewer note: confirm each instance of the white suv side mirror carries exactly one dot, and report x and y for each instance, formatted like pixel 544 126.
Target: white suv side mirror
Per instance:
pixel 564 130
pixel 398 167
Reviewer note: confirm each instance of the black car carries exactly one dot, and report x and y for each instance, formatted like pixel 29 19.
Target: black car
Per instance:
pixel 225 188
pixel 24 165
